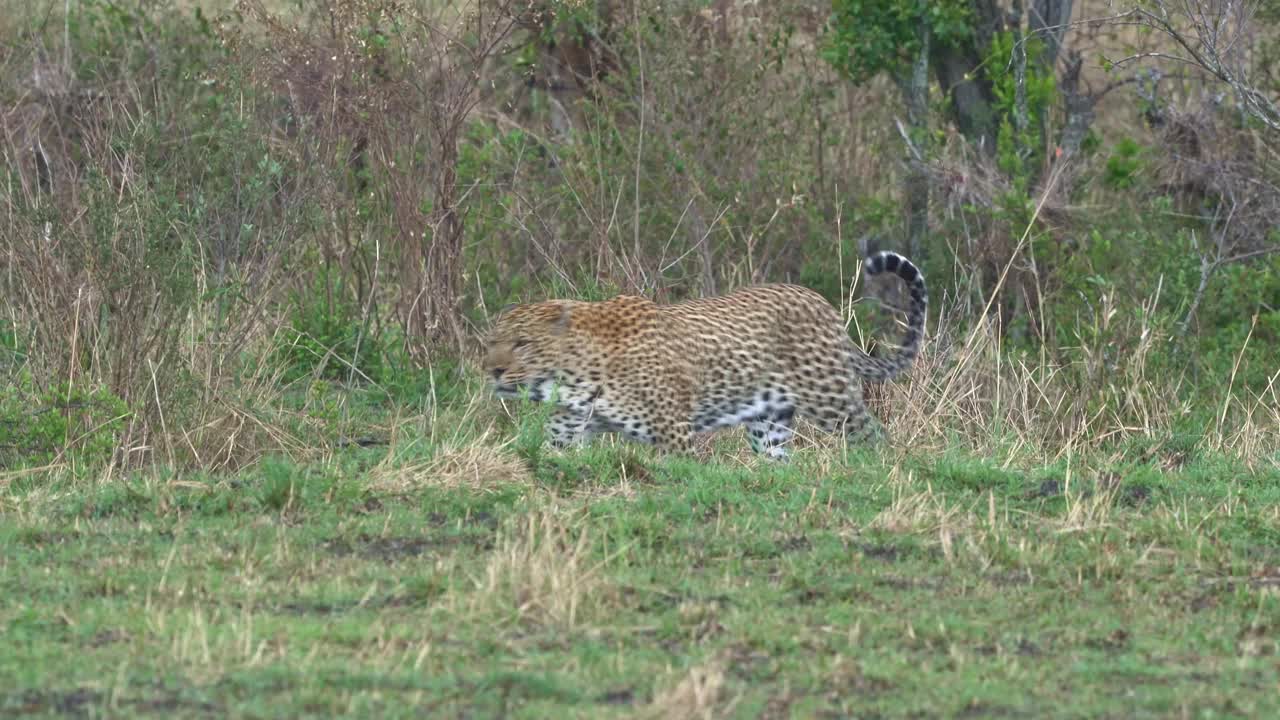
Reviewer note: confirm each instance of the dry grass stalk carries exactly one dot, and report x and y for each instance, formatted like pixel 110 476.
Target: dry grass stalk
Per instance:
pixel 476 463
pixel 112 287
pixel 699 695
pixel 542 572
pixel 918 512
pixel 1104 391
pixel 1088 510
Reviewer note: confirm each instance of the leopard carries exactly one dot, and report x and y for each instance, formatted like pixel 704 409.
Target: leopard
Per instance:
pixel 662 374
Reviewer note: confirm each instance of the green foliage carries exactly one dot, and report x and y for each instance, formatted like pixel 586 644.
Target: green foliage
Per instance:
pixel 484 167
pixel 1041 86
pixel 1123 164
pixel 830 272
pixel 531 437
pixel 12 352
pixel 75 424
pixel 279 484
pixel 107 32
pixel 576 18
pixel 1098 308
pixel 331 337
pixel 484 163
pixel 867 37
pixel 1238 295
pixel 164 40
pixel 1019 151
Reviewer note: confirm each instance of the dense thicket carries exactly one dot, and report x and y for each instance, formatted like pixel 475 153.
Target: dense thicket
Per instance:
pixel 217 222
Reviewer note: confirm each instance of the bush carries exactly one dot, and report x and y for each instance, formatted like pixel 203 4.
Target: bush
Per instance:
pixel 76 426
pixel 331 337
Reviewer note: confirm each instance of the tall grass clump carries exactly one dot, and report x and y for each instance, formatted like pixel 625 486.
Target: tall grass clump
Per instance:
pixel 147 230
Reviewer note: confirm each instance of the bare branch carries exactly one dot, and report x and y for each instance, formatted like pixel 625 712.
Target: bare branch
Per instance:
pixel 1215 36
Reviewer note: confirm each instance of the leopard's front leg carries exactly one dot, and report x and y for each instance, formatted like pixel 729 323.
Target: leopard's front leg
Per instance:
pixel 676 438
pixel 569 427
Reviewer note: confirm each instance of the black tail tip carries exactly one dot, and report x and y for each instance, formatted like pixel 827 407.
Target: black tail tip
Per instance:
pixel 894 263
pixel 886 260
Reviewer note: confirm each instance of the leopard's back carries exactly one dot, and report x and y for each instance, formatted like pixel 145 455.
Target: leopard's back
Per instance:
pixel 756 351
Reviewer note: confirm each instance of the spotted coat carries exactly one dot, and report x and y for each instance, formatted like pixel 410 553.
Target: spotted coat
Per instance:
pixel 661 373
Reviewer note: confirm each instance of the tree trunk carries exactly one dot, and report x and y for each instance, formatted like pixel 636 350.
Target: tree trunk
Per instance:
pixel 1048 21
pixel 1078 105
pixel 970 94
pixel 956 67
pixel 915 90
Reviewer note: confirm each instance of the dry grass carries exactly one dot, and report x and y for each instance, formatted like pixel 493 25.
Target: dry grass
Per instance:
pixel 477 463
pixel 698 694
pixel 1063 401
pixel 543 572
pixel 918 512
pixel 970 390
pixel 464 448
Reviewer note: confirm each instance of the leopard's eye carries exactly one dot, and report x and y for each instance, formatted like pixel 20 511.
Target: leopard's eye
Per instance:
pixel 519 344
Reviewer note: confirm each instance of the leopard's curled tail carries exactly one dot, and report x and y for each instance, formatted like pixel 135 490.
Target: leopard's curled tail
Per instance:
pixel 885 368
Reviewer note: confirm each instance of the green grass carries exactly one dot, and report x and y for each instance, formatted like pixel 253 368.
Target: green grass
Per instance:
pixel 1083 525
pixel 451 580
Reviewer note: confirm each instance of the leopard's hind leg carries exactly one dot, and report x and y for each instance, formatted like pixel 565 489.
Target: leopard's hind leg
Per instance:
pixel 771 431
pixel 858 424
pixel 838 407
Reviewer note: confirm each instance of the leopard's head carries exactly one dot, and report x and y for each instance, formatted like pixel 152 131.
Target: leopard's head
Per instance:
pixel 523 349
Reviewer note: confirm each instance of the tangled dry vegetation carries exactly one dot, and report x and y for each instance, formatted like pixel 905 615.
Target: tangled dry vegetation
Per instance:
pixel 225 233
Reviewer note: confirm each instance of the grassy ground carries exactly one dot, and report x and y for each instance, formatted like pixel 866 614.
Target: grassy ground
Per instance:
pixel 481 578
pixel 206 228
